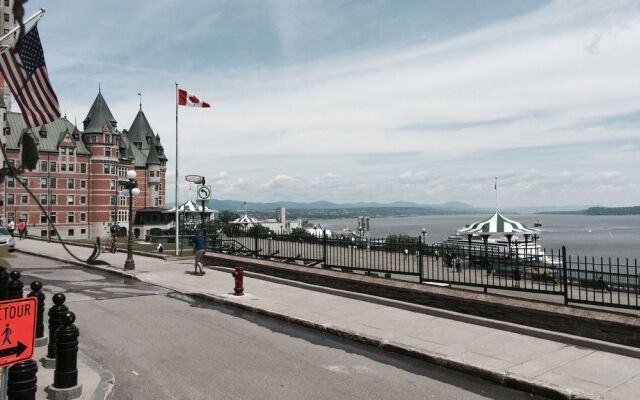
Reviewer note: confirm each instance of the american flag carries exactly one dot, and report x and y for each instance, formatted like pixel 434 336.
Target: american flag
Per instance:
pixel 26 74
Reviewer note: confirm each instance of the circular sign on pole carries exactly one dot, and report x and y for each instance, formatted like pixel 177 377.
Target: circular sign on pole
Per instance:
pixel 194 179
pixel 204 192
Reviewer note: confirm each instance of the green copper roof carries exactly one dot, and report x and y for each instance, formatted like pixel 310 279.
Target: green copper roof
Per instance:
pixel 99 115
pixel 152 158
pixel 56 131
pixel 138 156
pixel 140 131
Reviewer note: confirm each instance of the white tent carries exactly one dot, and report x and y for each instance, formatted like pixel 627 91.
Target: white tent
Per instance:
pixel 497 224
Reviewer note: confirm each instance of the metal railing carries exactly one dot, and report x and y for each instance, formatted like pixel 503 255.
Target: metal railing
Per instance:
pixel 518 267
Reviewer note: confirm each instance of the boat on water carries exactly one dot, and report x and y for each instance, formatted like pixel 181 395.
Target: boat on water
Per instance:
pixel 537 224
pixel 502 246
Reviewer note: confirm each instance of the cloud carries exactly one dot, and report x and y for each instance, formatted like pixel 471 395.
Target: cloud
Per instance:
pixel 415 115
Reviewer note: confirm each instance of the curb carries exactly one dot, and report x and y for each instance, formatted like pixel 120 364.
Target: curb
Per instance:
pixel 104 391
pixel 119 250
pixel 496 376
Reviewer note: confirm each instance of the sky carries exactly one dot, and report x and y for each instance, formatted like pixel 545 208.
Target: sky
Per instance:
pixel 423 101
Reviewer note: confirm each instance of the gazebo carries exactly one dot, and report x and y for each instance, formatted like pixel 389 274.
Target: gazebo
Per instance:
pixel 498 224
pixel 191 212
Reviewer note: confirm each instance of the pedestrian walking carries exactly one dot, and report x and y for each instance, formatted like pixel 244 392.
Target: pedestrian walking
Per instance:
pixel 11 227
pixel 199 248
pixel 22 229
pixel 517 275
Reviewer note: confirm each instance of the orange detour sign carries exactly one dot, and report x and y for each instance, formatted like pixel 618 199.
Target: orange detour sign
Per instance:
pixel 17 330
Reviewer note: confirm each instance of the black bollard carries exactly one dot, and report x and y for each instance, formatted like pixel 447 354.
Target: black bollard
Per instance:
pixel 36 291
pixel 22 382
pixel 57 310
pixel 66 373
pixel 4 284
pixel 15 286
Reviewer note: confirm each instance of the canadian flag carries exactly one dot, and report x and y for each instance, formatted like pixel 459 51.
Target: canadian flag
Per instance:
pixel 189 100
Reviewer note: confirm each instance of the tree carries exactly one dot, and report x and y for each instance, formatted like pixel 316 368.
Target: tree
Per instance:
pixel 301 233
pixel 227 216
pixel 258 230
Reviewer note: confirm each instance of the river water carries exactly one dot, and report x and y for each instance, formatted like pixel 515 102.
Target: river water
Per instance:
pixel 583 235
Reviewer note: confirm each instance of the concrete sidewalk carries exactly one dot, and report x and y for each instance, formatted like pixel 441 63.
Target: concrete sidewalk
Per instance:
pixel 549 368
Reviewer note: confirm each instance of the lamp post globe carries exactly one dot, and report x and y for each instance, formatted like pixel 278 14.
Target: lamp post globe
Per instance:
pixel 131 174
pixel 135 192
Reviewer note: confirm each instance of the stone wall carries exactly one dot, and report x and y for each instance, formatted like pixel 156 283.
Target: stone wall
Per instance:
pixel 613 327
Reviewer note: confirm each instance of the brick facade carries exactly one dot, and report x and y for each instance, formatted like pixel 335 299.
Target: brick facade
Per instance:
pixel 80 173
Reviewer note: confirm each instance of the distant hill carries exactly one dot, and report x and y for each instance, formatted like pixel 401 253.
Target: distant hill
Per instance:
pixel 634 210
pixel 327 205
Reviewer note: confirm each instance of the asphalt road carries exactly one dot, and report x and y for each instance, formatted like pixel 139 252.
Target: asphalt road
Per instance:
pixel 164 345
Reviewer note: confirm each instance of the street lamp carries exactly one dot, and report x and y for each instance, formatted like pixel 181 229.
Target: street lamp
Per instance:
pixel 132 187
pixel 424 235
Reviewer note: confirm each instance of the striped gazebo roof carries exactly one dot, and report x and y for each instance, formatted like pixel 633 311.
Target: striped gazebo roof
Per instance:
pixel 497 224
pixel 245 220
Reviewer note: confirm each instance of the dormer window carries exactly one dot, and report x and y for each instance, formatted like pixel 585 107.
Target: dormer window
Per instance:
pixel 43 132
pixel 6 131
pixel 93 139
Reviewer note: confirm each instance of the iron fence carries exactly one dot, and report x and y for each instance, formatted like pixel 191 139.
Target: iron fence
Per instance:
pixel 519 267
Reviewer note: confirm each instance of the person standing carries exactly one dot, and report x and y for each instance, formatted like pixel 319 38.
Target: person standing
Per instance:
pixel 22 229
pixel 11 226
pixel 199 248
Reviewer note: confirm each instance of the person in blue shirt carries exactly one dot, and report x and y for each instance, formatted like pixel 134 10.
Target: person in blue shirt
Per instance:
pixel 199 248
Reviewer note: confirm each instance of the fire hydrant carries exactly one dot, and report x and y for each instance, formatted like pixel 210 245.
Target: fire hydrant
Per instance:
pixel 238 274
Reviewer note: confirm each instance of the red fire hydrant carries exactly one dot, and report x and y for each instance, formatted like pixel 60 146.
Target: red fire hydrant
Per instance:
pixel 238 274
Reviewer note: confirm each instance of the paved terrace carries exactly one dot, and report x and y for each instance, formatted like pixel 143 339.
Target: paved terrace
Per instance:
pixel 554 369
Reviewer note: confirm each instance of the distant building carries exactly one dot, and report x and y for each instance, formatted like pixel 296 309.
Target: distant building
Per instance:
pixel 7 22
pixel 80 174
pixel 281 215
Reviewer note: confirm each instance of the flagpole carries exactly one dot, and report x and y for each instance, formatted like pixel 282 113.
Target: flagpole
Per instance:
pixel 40 13
pixel 496 188
pixel 177 177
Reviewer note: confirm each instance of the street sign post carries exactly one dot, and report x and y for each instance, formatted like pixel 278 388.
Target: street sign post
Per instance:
pixel 204 192
pixel 17 330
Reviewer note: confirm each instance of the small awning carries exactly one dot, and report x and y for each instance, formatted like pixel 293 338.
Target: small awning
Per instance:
pixel 497 224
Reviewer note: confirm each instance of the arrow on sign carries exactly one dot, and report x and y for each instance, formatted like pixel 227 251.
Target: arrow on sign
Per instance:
pixel 13 351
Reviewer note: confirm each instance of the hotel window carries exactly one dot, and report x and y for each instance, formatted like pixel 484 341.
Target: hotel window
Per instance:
pixel 83 231
pixel 11 199
pixel 156 201
pixel 112 200
pixel 112 185
pixel 93 139
pixel 70 184
pixel 53 199
pixel 112 169
pixel 43 198
pixel 43 232
pixel 107 139
pixel 43 166
pixel 83 184
pixel 123 201
pixel 83 217
pixel 106 168
pixel 70 200
pixel 24 199
pixel 71 232
pixel 63 167
pixel 43 183
pixel 6 3
pixel 71 167
pixel 53 166
pixel 112 216
pixel 52 217
pixel 25 181
pixel 11 215
pixel 83 199
pixel 107 151
pixel 53 183
pixel 6 17
pixel 83 168
pixel 151 173
pixel 24 217
pixel 11 182
pixel 71 217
